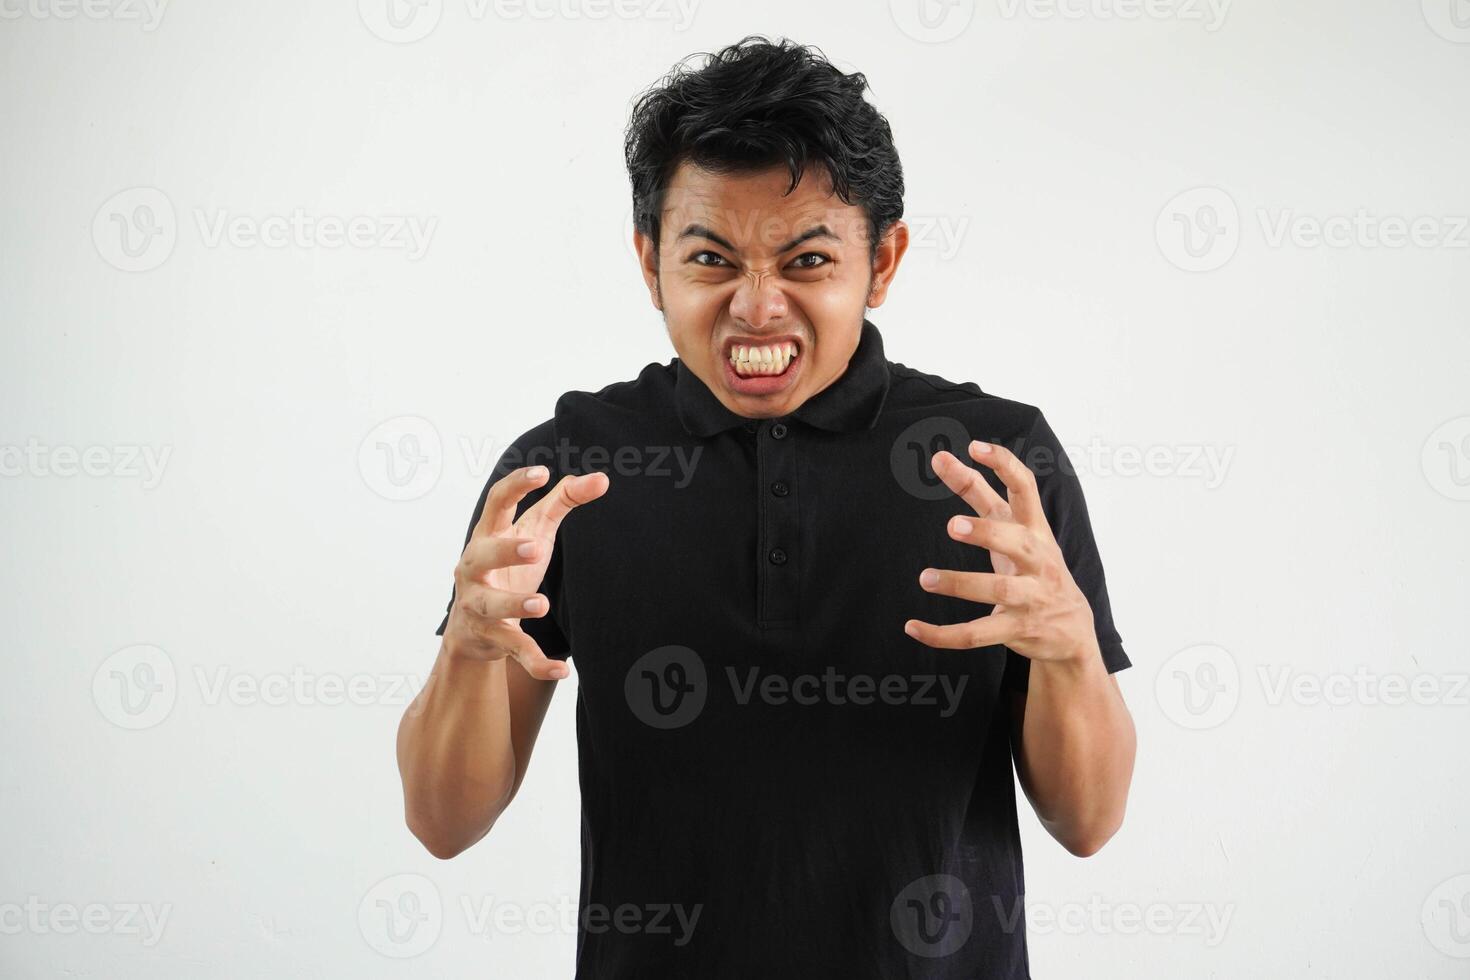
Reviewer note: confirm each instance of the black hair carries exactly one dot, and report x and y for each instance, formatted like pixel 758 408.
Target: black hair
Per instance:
pixel 758 104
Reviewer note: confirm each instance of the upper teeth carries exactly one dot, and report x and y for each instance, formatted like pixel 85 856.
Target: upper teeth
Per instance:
pixel 770 359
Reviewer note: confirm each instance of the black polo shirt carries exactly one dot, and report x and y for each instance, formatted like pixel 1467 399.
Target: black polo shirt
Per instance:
pixel 776 780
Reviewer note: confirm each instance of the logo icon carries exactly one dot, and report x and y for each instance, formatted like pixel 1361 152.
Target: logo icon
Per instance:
pixel 1446 459
pixel 932 21
pixel 666 688
pixel 401 21
pixel 136 230
pixel 401 916
pixel 1450 19
pixel 1199 230
pixel 136 687
pixel 915 447
pixel 933 916
pixel 1446 917
pixel 1199 687
pixel 402 458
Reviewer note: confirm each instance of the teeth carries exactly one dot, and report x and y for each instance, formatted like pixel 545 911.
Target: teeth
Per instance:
pixel 767 360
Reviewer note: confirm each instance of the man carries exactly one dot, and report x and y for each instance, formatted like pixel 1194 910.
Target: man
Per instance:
pixel 818 600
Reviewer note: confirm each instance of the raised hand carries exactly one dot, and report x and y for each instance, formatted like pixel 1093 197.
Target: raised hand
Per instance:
pixel 496 580
pixel 1039 610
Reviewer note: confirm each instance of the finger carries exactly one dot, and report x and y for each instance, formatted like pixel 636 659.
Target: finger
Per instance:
pixel 488 603
pixel 968 484
pixel 484 555
pixel 505 494
pixel 538 664
pixel 571 492
pixel 993 630
pixel 1020 482
pixel 1015 541
pixel 997 590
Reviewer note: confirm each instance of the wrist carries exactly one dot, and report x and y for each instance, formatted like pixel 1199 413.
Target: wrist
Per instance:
pixel 1083 661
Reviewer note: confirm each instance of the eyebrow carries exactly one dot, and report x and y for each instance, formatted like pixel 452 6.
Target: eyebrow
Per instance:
pixel 701 231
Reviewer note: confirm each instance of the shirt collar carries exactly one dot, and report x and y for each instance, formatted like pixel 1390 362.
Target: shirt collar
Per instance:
pixel 849 404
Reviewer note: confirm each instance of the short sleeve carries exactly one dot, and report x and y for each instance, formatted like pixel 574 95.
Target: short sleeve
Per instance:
pixel 534 447
pixel 1066 511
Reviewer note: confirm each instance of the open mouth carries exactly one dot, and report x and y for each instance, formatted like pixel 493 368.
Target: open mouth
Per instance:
pixel 763 361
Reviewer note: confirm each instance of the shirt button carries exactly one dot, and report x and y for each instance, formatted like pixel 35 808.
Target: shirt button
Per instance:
pixel 777 556
pixel 780 489
pixel 778 431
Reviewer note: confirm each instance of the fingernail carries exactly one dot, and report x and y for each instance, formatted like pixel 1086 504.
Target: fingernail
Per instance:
pixel 962 526
pixel 928 578
pixel 532 604
pixel 910 628
pixel 535 472
pixel 526 549
pixel 980 447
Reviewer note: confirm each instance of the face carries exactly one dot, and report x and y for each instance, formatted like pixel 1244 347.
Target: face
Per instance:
pixel 764 292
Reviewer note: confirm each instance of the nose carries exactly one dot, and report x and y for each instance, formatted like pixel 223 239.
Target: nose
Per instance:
pixel 758 300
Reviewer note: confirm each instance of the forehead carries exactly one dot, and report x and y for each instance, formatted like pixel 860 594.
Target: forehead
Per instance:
pixel 754 209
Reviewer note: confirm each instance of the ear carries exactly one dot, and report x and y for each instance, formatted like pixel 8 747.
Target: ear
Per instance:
pixel 648 263
pixel 885 262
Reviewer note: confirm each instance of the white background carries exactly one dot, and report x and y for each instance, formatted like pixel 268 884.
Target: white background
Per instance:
pixel 1045 150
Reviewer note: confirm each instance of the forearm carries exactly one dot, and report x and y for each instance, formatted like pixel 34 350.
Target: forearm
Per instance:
pixel 1077 754
pixel 455 753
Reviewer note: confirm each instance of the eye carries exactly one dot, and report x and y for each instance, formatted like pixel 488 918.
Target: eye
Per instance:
pixel 715 259
pixel 801 262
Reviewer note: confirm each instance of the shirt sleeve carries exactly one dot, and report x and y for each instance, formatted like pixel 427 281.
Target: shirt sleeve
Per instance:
pixel 533 447
pixel 1066 511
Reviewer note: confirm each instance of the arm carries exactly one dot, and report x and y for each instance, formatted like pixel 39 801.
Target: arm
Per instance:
pixel 464 745
pixel 1074 744
pixel 1072 736
pixel 465 742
